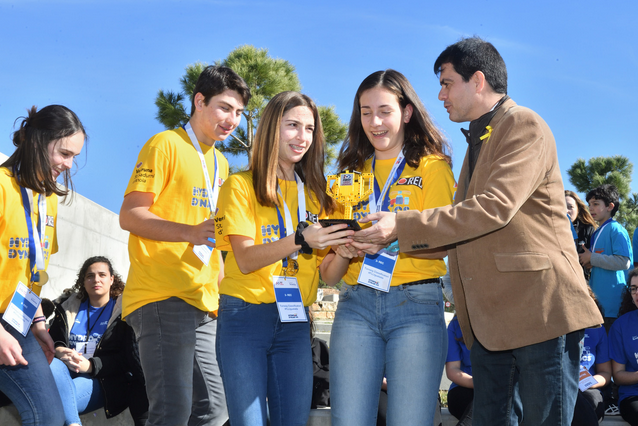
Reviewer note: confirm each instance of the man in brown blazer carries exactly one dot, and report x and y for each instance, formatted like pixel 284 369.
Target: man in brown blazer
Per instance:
pixel 520 295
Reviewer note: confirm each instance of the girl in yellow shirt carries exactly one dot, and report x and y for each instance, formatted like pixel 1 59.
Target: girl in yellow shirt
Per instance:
pixel 389 322
pixel 46 143
pixel 268 223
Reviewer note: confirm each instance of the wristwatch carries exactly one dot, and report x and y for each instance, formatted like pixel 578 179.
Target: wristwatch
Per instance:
pixel 300 240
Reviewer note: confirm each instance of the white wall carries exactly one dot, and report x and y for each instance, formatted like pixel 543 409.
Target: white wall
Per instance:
pixel 85 229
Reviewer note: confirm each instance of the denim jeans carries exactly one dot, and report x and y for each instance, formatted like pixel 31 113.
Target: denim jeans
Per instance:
pixel 80 393
pixel 31 387
pixel 260 357
pixel 177 353
pixel 535 385
pixel 400 334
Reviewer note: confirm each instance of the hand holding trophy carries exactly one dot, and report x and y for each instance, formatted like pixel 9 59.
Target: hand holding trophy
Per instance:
pixel 348 189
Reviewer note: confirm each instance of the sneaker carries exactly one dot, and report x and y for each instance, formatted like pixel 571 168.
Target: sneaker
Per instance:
pixel 612 410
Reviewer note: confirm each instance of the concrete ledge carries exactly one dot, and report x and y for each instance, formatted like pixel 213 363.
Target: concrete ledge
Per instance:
pixel 320 417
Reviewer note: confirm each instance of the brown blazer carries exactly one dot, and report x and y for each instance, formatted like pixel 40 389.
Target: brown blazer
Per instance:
pixel 512 259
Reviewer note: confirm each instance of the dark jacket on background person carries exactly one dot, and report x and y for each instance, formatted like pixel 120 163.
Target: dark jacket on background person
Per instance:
pixel 115 362
pixel 585 232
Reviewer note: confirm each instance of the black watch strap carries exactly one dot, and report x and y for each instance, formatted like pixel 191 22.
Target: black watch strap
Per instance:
pixel 299 239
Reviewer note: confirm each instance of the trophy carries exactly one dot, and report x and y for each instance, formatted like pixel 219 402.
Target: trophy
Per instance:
pixel 348 188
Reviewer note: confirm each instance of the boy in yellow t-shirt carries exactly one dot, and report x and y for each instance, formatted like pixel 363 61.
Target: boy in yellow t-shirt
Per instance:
pixel 173 280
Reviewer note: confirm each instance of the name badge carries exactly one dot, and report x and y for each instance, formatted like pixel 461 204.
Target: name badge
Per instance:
pixel 203 252
pixel 585 380
pixel 87 349
pixel 22 309
pixel 288 298
pixel 376 271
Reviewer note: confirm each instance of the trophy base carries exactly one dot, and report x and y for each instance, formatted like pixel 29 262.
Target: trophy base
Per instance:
pixel 352 224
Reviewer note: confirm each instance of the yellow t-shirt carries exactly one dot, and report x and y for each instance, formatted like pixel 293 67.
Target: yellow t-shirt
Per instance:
pixel 169 167
pixel 14 254
pixel 428 186
pixel 241 214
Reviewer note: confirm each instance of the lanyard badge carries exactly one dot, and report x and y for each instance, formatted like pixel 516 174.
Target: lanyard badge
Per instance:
pixel 287 291
pixel 290 266
pixel 24 302
pixel 376 270
pixel 204 252
pixel 288 299
pixel 22 308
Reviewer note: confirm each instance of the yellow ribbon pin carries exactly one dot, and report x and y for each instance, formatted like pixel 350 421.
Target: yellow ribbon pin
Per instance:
pixel 487 135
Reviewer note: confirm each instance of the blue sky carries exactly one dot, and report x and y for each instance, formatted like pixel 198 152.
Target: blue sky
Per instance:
pixel 575 63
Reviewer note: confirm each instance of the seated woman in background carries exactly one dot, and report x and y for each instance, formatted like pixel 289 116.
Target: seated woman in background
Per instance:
pixel 622 349
pixel 458 368
pixel 96 357
pixel 583 223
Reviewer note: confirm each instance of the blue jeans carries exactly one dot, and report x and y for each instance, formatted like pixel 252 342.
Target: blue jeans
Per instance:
pixel 400 334
pixel 260 357
pixel 80 393
pixel 31 387
pixel 177 352
pixel 535 385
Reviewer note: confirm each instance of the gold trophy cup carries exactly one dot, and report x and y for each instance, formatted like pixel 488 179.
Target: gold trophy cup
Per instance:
pixel 348 188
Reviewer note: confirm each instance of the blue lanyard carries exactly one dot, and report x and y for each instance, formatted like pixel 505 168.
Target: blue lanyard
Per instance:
pixel 385 205
pixel 27 214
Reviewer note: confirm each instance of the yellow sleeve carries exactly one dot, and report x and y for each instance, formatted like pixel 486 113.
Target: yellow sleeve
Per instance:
pixel 148 174
pixel 439 184
pixel 236 213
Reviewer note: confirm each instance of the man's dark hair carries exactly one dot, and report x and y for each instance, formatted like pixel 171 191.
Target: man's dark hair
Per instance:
pixel 606 193
pixel 215 79
pixel 474 54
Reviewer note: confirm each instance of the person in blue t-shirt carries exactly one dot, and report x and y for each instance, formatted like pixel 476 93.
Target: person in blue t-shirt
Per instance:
pixel 609 254
pixel 96 360
pixel 623 349
pixel 590 407
pixel 458 368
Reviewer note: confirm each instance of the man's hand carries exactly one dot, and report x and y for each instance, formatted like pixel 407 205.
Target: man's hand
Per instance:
pixel 381 233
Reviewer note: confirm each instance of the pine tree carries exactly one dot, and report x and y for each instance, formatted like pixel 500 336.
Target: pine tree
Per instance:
pixel 266 77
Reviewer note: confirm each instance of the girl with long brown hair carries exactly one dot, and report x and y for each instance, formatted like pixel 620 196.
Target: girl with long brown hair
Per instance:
pixel 268 223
